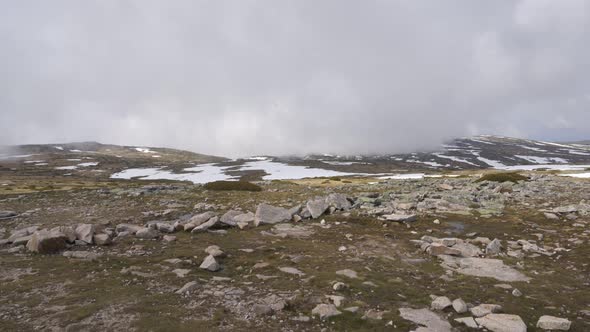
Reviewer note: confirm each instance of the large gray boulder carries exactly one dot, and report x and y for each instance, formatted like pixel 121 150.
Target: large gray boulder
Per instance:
pixel 317 206
pixel 483 267
pixel 47 242
pixel 84 232
pixel 268 214
pixel 338 201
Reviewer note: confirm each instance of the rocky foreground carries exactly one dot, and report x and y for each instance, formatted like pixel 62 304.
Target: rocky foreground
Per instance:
pixel 437 254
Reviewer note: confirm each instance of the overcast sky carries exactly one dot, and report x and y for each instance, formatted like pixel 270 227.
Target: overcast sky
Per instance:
pixel 247 77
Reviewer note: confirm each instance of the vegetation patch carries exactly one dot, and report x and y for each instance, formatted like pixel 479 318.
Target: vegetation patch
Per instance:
pixel 232 185
pixel 503 177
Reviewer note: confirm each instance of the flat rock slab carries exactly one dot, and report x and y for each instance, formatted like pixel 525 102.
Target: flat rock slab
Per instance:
pixel 428 319
pixel 291 270
pixel 502 323
pixel 290 230
pixel 483 267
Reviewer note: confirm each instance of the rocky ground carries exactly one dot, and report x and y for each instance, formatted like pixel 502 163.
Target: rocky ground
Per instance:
pixel 436 254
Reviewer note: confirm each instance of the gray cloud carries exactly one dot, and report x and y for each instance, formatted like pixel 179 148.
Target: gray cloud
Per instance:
pixel 277 77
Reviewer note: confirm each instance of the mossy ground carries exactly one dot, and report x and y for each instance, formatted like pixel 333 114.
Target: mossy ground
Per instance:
pixel 59 292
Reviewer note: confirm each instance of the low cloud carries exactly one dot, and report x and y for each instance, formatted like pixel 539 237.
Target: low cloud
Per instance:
pixel 246 77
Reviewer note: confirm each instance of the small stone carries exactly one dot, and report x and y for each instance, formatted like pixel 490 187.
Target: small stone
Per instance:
pixel 436 221
pixel 554 323
pixel 374 314
pixel 85 255
pixel 339 286
pixel 516 292
pixel 181 273
pixel 291 270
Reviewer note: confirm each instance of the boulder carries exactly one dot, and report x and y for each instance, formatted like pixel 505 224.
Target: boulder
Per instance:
pixel 147 233
pixel 467 249
pixel 502 323
pixel 467 321
pixel 338 201
pixel 247 218
pixel 485 309
pixel 47 242
pixel 101 239
pixel 68 231
pixel 188 287
pixel 197 220
pixel 214 251
pixel 436 249
pixel 325 311
pixel 268 214
pixel 460 306
pixel 7 214
pixel 397 217
pixel 84 232
pixel 210 264
pixel 129 228
pixel 494 248
pixel 430 320
pixel 317 206
pixel 206 225
pixel 165 227
pixel 554 323
pixel 440 303
pixel 228 218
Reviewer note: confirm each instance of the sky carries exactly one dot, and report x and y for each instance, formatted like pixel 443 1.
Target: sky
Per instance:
pixel 244 77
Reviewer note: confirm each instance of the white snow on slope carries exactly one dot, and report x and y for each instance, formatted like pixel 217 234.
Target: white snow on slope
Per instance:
pixel 543 160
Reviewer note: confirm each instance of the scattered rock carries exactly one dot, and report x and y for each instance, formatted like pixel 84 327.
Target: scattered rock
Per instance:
pixel 460 306
pixel 84 232
pixel 188 287
pixel 494 247
pixel 46 242
pixel 502 323
pixel 317 206
pixel 485 309
pixel 348 273
pixel 292 270
pixel 214 251
pixel 467 321
pixel 85 255
pixel 401 217
pixel 101 239
pixel 426 318
pixel 440 303
pixel 325 311
pixel 554 323
pixel 210 264
pixel 483 267
pixel 147 233
pixel 268 214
